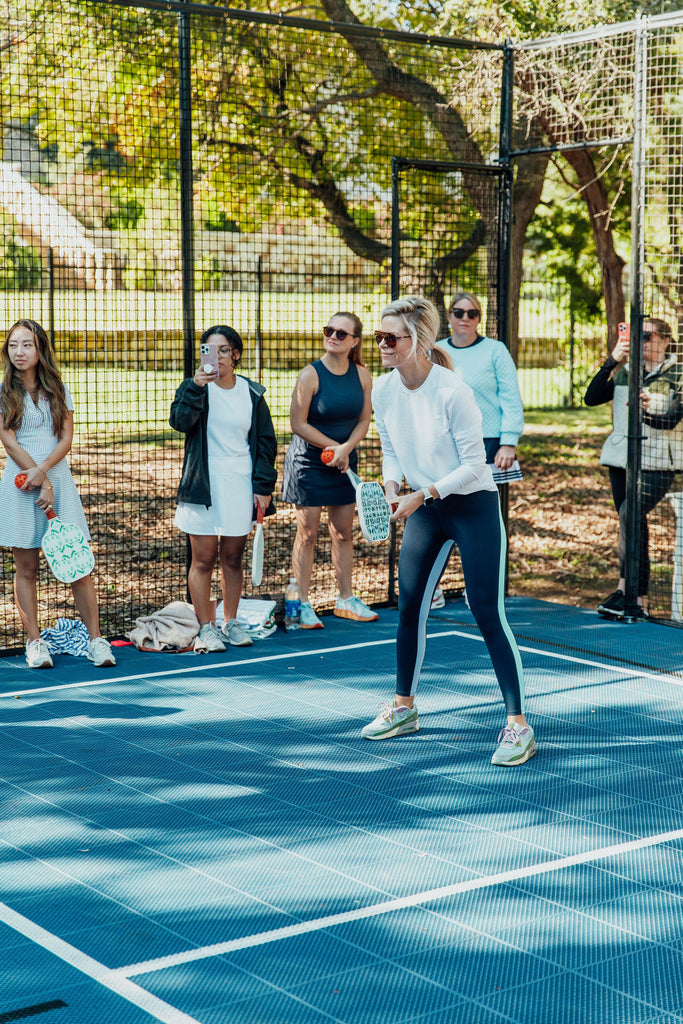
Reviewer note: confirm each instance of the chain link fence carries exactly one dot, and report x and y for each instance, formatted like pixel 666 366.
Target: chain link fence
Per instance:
pixel 165 167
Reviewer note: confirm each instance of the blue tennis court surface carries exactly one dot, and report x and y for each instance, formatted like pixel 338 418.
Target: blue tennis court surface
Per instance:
pixel 207 839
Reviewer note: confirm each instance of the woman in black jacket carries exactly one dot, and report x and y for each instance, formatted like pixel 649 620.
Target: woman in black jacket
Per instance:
pixel 229 467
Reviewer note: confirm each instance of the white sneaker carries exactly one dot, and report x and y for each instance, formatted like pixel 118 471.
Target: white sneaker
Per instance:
pixel 209 639
pixel 100 653
pixel 38 654
pixel 235 634
pixel 438 601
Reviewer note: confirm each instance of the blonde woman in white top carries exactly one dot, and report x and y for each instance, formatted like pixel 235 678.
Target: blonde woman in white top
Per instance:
pixel 430 429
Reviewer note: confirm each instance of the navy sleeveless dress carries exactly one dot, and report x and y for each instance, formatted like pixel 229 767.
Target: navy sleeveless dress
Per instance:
pixel 335 411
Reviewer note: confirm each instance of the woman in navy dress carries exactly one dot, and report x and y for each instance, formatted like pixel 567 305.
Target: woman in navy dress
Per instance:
pixel 331 408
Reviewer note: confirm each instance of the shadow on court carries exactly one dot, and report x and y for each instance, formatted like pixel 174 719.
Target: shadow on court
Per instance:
pixel 209 839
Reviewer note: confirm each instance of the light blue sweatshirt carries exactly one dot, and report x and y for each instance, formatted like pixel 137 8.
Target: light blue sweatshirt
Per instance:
pixel 489 369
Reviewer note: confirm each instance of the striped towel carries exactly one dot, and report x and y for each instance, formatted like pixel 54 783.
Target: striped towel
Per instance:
pixel 506 476
pixel 69 636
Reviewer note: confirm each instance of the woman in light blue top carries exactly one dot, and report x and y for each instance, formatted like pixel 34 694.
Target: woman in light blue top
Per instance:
pixel 487 366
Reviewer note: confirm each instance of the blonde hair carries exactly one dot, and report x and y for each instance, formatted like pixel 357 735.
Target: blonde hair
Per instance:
pixel 423 323
pixel 468 297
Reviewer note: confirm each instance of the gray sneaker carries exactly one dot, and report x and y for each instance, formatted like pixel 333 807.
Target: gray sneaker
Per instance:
pixel 391 721
pixel 38 654
pixel 235 634
pixel 209 638
pixel 515 745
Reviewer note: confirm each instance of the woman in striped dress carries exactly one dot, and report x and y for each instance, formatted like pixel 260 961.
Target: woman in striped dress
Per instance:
pixel 36 429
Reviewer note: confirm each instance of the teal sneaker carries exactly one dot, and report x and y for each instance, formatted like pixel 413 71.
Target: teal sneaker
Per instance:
pixel 354 608
pixel 391 721
pixel 515 745
pixel 309 620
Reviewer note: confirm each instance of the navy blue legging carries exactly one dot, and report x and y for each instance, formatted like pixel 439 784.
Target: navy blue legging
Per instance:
pixel 474 522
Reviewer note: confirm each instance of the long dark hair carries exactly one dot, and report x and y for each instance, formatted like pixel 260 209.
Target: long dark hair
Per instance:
pixel 48 376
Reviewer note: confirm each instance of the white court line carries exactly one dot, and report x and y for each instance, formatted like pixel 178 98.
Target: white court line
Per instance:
pixel 236 665
pixel 113 980
pixel 416 900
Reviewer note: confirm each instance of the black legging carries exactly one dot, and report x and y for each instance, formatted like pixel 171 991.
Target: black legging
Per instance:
pixel 474 522
pixel 654 485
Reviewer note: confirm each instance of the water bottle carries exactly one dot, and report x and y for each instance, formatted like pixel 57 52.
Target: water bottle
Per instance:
pixel 292 606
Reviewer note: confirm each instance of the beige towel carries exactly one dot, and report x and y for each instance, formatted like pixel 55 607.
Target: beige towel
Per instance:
pixel 174 626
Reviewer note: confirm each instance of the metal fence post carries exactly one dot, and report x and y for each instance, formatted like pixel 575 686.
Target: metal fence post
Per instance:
pixel 186 204
pixel 395 291
pixel 51 294
pixel 186 201
pixel 633 466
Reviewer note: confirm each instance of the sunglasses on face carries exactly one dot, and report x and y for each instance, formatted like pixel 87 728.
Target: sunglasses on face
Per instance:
pixel 330 332
pixel 389 339
pixel 472 314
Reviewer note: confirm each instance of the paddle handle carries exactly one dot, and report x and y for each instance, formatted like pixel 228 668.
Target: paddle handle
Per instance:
pixel 327 455
pixel 259 514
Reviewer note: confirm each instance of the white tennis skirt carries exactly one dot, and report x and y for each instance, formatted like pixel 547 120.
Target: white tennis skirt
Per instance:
pixel 231 511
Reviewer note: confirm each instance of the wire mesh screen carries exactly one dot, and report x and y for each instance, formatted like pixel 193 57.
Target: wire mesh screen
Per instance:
pixel 293 131
pixel 575 89
pixel 89 214
pixel 449 234
pixel 578 93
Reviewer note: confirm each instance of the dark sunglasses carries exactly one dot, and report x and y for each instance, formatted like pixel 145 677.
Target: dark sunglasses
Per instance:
pixel 389 339
pixel 330 332
pixel 472 314
pixel 647 335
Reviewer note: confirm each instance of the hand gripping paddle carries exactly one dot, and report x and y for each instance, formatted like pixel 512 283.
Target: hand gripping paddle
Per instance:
pixel 257 550
pixel 64 545
pixel 372 506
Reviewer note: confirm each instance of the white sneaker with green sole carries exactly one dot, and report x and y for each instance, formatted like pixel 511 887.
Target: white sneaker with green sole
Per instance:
pixel 515 745
pixel 391 721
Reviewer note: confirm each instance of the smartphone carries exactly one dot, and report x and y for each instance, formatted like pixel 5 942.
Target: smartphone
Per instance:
pixel 624 332
pixel 208 353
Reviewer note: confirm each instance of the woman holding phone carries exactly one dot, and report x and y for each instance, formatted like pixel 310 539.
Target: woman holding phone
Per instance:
pixel 662 449
pixel 331 408
pixel 229 466
pixel 430 429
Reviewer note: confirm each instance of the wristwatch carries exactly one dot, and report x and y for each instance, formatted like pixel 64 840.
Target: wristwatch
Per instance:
pixel 429 497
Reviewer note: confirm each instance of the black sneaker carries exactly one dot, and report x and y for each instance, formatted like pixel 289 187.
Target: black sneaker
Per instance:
pixel 614 606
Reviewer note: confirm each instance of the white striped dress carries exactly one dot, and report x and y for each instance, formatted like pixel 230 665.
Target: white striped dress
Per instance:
pixel 22 523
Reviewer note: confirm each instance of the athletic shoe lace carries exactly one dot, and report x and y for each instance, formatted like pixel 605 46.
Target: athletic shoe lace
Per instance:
pixel 509 735
pixel 386 710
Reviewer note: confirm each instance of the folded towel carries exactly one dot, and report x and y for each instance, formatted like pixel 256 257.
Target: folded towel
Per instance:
pixel 257 617
pixel 173 627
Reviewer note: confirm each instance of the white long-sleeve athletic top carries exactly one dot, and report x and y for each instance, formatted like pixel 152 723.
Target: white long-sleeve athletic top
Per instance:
pixel 431 435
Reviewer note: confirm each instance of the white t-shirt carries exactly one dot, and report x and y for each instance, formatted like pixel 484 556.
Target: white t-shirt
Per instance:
pixel 229 422
pixel 431 435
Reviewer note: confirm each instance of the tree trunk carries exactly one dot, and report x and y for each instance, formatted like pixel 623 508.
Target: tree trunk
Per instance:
pixel 525 198
pixel 611 263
